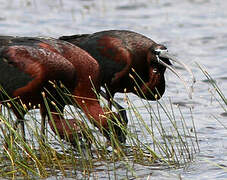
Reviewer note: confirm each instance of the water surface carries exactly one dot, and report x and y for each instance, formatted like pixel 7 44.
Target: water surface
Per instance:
pixel 193 30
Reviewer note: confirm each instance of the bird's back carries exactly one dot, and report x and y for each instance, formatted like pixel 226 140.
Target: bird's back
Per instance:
pixel 110 49
pixel 27 64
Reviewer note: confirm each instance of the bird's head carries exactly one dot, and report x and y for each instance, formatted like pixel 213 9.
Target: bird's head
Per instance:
pixel 158 60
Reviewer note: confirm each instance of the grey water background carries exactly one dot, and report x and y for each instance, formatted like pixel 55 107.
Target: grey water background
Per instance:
pixel 193 30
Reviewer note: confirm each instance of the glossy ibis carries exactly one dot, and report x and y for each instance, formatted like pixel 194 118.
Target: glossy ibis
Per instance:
pixel 122 54
pixel 27 67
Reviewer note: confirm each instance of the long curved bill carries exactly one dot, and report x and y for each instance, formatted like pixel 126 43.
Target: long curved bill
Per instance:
pixel 165 54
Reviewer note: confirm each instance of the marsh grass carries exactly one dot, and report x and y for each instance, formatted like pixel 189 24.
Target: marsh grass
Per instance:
pixel 161 138
pixel 221 99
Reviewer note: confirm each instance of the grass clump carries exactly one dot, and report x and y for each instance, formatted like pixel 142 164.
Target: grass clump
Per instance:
pixel 157 138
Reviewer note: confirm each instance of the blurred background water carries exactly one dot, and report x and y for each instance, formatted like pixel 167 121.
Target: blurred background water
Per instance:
pixel 193 30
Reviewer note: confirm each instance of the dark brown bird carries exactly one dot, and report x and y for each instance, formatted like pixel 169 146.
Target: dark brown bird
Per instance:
pixel 27 67
pixel 124 54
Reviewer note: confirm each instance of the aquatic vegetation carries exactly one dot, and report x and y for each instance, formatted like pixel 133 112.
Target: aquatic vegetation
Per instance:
pixel 223 102
pixel 156 136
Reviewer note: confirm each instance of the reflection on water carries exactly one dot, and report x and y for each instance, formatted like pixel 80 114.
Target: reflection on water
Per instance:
pixel 194 30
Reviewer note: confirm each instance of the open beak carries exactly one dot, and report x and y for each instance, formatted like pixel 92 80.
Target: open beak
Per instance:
pixel 164 54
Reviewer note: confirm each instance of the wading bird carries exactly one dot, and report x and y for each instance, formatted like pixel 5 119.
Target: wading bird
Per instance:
pixel 129 62
pixel 31 67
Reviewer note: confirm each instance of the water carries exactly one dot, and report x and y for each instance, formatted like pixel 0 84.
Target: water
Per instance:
pixel 193 30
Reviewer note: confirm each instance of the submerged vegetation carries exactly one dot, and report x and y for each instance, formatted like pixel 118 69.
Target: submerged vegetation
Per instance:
pixel 156 137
